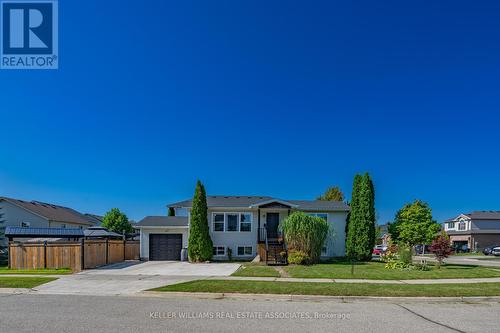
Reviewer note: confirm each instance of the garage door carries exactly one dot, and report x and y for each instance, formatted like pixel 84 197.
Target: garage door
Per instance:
pixel 165 246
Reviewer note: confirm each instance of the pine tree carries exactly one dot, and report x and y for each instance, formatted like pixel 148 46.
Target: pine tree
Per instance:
pixel 200 244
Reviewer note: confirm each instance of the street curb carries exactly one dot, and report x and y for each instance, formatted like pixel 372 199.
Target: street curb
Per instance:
pixel 318 298
pixel 15 290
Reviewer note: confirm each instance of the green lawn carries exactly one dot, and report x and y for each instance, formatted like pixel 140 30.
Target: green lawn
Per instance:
pixel 335 289
pixel 375 270
pixel 468 254
pixel 23 282
pixel 256 270
pixel 6 270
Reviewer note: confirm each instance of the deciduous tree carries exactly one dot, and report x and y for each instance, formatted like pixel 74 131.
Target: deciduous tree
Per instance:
pixel 116 221
pixel 414 224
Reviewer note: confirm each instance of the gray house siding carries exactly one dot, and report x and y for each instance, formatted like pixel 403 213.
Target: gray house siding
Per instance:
pixel 233 239
pixel 335 242
pixel 12 215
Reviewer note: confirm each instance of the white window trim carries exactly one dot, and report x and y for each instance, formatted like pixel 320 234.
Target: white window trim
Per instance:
pixel 223 222
pixel 220 255
pixel 319 213
pixel 464 223
pixel 243 246
pixel 238 222
pixel 247 222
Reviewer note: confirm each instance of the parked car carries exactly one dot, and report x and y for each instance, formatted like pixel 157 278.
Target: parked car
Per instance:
pixel 418 249
pixel 487 250
pixel 379 249
pixel 496 251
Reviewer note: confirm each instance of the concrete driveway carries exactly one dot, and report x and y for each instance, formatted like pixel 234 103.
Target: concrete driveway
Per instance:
pixel 168 268
pixel 489 261
pixel 131 277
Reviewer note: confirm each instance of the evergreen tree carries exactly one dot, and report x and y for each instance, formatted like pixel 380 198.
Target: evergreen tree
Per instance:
pixel 353 218
pixel 171 211
pixel 333 193
pixel 361 225
pixel 369 213
pixel 200 244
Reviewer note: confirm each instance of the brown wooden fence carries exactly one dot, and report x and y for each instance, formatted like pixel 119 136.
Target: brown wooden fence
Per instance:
pixel 75 255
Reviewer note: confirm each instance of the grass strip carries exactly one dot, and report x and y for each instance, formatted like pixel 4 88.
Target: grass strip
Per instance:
pixel 335 289
pixel 23 282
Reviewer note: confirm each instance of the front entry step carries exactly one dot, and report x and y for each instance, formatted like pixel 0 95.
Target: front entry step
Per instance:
pixel 276 254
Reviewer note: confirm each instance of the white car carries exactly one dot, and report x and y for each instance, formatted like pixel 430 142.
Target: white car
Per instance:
pixel 496 251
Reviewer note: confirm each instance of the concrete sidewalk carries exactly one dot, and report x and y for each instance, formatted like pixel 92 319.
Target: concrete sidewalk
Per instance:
pixel 421 281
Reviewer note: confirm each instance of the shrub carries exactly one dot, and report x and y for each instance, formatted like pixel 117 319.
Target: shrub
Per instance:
pixel 405 255
pixel 398 257
pixel 441 247
pixel 305 233
pixel 298 257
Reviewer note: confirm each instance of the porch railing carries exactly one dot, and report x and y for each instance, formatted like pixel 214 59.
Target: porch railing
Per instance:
pixel 262 235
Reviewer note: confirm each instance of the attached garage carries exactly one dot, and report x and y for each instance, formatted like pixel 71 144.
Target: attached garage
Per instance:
pixel 165 246
pixel 163 237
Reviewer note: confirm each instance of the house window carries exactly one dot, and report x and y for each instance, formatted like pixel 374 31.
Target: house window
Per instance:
pixel 219 250
pixel 324 251
pixel 324 216
pixel 25 224
pixel 461 225
pixel 246 222
pixel 218 224
pixel 232 222
pixel 451 225
pixel 245 250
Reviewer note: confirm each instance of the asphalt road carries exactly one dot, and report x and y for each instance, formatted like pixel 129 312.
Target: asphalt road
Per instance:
pixel 68 313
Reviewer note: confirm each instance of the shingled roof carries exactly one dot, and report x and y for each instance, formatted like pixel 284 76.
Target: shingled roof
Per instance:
pixel 254 201
pixel 51 212
pixel 479 215
pixel 163 221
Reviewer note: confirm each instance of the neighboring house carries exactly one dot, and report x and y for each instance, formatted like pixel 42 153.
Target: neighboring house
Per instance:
pixel 383 237
pixel 239 223
pixel 96 219
pixel 20 213
pixel 475 230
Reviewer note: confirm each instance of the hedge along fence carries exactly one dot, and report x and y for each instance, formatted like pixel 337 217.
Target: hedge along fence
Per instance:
pixel 75 255
pixel 306 234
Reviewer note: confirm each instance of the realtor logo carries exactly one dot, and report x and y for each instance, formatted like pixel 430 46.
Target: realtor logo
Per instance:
pixel 29 34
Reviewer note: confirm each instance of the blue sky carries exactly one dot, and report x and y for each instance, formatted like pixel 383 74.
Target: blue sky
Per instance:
pixel 259 97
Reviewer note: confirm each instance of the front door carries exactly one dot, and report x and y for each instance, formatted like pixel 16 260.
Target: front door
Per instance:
pixel 272 222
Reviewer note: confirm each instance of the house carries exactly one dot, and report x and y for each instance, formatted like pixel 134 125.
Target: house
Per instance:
pixel 383 237
pixel 36 214
pixel 475 230
pixel 240 224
